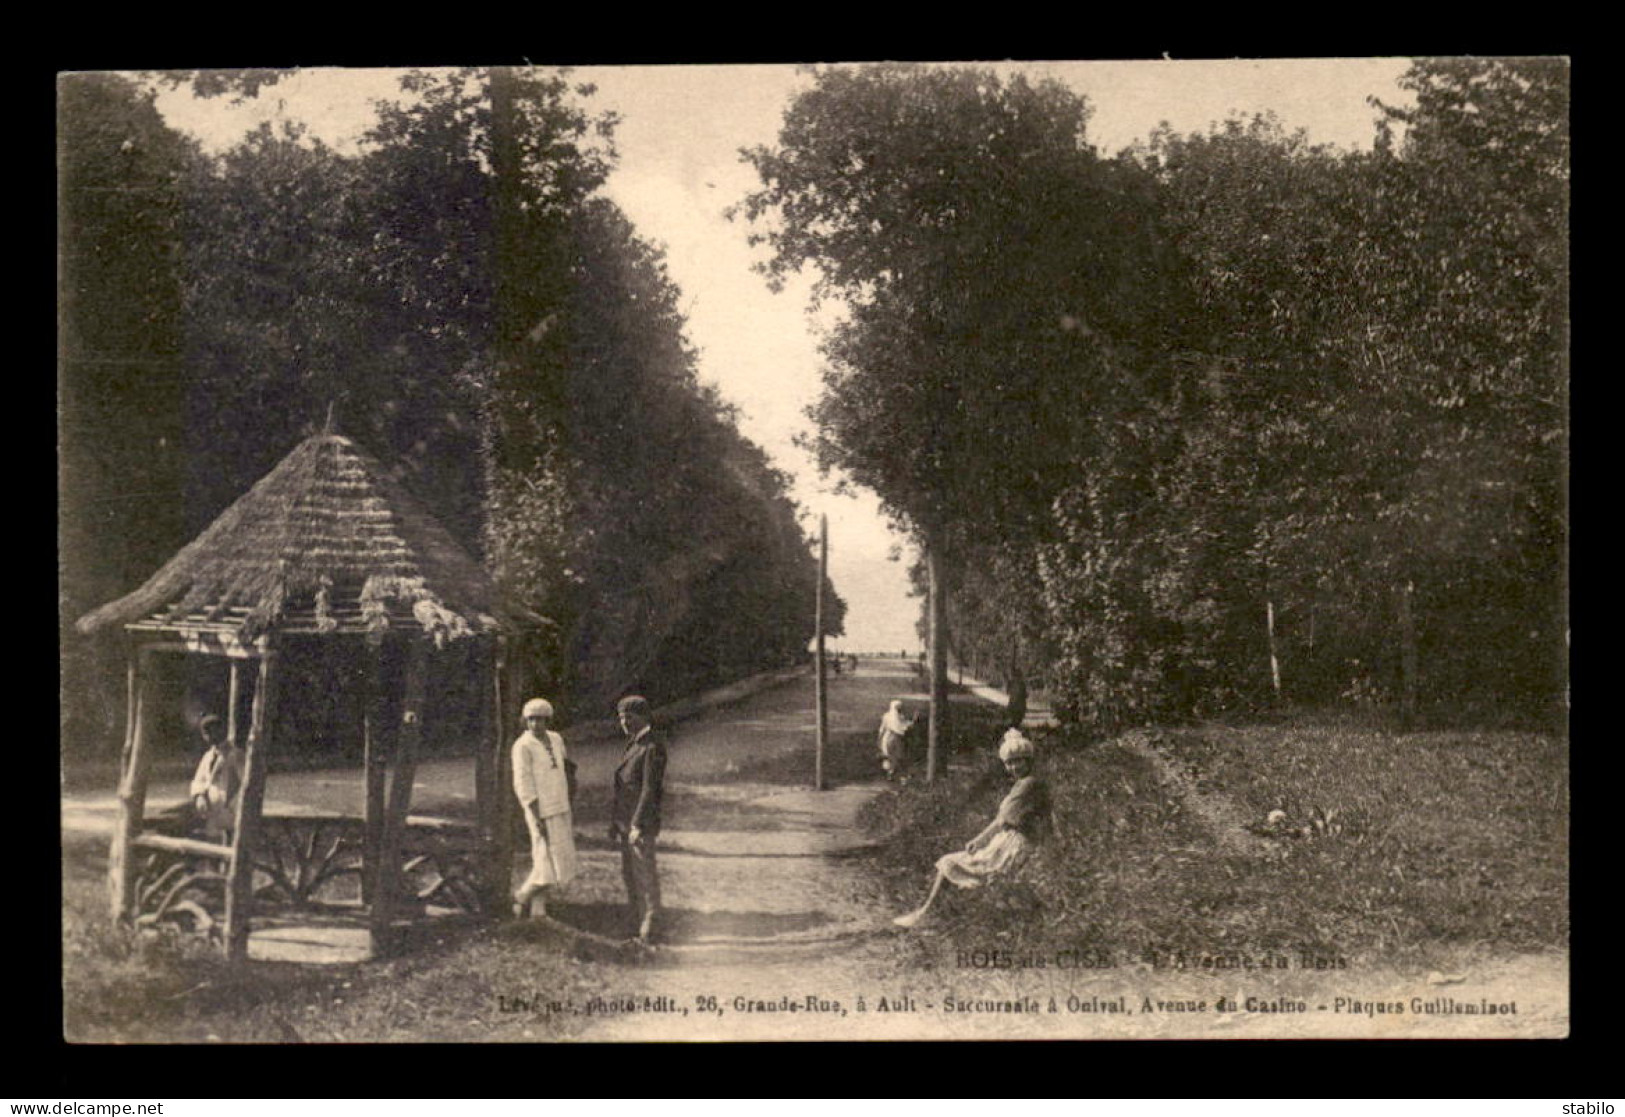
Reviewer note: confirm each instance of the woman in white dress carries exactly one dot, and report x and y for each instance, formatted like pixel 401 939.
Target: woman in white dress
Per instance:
pixel 541 780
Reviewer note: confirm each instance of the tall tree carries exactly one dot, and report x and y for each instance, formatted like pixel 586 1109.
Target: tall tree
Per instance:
pixel 993 272
pixel 121 183
pixel 1481 180
pixel 507 342
pixel 1393 325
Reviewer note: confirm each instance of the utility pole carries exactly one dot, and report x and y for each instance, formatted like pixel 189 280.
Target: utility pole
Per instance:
pixel 937 611
pixel 820 688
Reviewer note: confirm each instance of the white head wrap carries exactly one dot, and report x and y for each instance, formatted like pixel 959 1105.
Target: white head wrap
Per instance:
pixel 1013 744
pixel 893 720
pixel 538 708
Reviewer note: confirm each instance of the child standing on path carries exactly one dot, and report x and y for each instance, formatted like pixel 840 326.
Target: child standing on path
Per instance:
pixel 893 726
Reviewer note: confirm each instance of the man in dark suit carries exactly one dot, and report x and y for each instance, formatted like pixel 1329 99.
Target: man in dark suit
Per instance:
pixel 635 820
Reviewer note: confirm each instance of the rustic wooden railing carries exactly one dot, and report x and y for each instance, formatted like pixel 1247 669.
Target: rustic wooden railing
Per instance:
pixel 305 862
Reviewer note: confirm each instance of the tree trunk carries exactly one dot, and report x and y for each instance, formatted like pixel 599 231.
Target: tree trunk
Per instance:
pixel 507 173
pixel 938 612
pixel 390 893
pixel 132 791
pixel 373 754
pixel 1407 654
pixel 505 170
pixel 1275 660
pixel 1015 710
pixel 250 803
pixel 820 684
pixel 1311 662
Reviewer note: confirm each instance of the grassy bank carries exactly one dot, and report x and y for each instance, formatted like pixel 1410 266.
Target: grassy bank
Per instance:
pixel 1435 840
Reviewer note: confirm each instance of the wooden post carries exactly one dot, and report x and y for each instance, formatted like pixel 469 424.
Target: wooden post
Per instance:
pixel 374 748
pixel 134 761
pixel 489 786
pixel 506 806
pixel 250 798
pixel 821 686
pixel 233 694
pixel 1408 667
pixel 939 660
pixel 1275 663
pixel 484 756
pixel 387 886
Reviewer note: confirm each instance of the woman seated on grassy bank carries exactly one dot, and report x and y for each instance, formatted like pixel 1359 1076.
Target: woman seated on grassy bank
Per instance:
pixel 1023 821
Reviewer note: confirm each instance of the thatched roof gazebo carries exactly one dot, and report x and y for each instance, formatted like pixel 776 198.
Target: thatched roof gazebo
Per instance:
pixel 327 547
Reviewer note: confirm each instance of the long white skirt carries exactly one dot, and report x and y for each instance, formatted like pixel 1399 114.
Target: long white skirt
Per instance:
pixel 891 750
pixel 1003 855
pixel 552 851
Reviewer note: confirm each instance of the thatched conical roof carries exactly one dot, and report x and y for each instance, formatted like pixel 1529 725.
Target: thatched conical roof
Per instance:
pixel 324 543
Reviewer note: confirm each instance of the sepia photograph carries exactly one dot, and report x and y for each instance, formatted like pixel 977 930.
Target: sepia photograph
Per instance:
pixel 845 551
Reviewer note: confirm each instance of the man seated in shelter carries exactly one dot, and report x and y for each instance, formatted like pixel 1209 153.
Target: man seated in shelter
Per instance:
pixel 215 784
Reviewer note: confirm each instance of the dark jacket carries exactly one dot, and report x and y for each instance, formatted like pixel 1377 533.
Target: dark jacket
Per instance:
pixel 640 781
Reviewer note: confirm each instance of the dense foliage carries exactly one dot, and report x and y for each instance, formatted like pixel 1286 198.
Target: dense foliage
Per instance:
pixel 461 298
pixel 121 176
pixel 1228 419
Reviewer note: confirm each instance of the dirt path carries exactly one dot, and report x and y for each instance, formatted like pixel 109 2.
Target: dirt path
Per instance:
pixel 754 862
pixel 1225 822
pixel 763 892
pixel 777 932
pixel 778 935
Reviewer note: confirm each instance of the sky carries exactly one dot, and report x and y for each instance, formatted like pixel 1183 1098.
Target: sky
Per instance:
pixel 679 170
